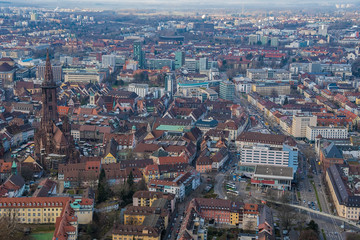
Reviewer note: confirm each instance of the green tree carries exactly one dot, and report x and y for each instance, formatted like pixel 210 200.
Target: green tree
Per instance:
pixel 27 173
pixel 249 56
pixel 103 190
pixel 355 68
pixel 312 225
pixel 286 101
pixel 130 179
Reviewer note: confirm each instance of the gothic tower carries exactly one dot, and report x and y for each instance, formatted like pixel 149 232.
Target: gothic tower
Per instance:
pixel 53 136
pixel 49 99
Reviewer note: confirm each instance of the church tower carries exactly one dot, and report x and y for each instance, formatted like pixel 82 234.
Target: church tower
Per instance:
pixel 53 136
pixel 49 111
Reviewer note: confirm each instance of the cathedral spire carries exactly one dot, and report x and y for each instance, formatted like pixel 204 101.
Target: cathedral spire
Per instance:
pixel 48 78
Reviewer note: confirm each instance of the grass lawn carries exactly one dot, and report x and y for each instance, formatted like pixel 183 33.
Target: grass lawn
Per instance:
pixel 42 236
pixel 323 233
pixel 317 196
pixel 40 228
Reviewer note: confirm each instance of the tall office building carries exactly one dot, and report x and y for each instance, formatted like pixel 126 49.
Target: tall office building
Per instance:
pixel 108 61
pixel 203 64
pixel 253 39
pixel 179 59
pixel 227 90
pixel 323 30
pixel 300 123
pixel 139 54
pixel 170 83
pixel 274 42
pixel 56 72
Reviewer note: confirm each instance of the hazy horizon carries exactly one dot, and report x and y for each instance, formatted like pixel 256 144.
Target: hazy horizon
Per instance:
pixel 118 4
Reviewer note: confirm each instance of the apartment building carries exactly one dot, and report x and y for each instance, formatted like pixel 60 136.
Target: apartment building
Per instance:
pixel 269 89
pixel 327 132
pixel 141 89
pixel 342 181
pixel 180 186
pixel 268 73
pixel 300 123
pixel 146 198
pixel 220 210
pixel 147 218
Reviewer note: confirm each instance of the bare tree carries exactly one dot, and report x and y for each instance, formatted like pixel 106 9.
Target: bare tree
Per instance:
pixel 287 216
pixel 10 227
pixel 250 224
pixel 309 235
pixel 274 93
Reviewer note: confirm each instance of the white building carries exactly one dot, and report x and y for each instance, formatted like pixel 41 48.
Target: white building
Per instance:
pixel 139 88
pixel 168 187
pixel 108 61
pixel 264 155
pixel 327 132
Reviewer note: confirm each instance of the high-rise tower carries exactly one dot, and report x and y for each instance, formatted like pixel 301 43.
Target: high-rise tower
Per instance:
pixel 139 54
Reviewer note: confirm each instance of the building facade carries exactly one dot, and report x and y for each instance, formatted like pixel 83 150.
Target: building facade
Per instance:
pixel 227 90
pixel 343 194
pixel 327 132
pixel 300 124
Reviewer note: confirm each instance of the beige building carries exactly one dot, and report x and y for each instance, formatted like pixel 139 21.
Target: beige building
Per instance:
pixel 345 199
pixel 269 89
pixel 82 77
pixel 300 123
pixel 41 210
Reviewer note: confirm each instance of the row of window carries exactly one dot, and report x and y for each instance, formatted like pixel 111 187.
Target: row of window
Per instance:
pixel 30 204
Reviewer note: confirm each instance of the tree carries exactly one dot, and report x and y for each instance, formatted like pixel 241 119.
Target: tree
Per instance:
pixel 102 175
pixel 141 185
pixel 231 73
pixel 308 235
pixel 287 217
pixel 274 93
pixel 353 236
pixel 10 227
pixel 249 56
pixel 286 101
pixel 141 77
pixel 103 191
pixel 355 68
pixel 312 225
pixel 130 179
pixel 27 173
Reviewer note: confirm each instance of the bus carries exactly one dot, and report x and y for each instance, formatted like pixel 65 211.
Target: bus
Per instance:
pixel 230 186
pixel 233 192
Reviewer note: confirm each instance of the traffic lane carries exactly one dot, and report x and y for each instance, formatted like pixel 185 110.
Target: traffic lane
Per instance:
pixel 327 224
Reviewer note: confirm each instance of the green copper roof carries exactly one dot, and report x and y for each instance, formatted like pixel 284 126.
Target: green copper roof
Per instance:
pixel 170 128
pixel 160 153
pixel 13 164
